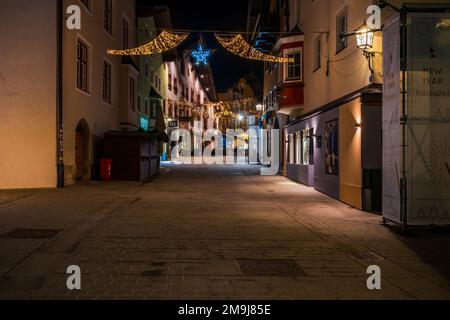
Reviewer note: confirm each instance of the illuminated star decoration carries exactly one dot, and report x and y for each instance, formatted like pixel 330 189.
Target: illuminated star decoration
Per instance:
pixel 201 55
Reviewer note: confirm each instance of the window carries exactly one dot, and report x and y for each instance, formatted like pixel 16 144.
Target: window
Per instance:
pixel 139 103
pixel 317 52
pixel 82 66
pixel 291 142
pixel 294 70
pixel 332 147
pixel 153 111
pixel 341 31
pixel 125 32
pixel 108 16
pixel 170 82
pixel 107 82
pixel 298 148
pixel 147 103
pixel 132 101
pixel 175 85
pixel 146 69
pixel 87 4
pixel 307 147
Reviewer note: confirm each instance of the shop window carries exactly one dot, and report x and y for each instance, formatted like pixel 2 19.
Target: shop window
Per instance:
pixel 291 149
pixel 298 148
pixel 332 147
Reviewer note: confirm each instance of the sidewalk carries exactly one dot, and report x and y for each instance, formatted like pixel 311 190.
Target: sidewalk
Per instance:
pixel 203 232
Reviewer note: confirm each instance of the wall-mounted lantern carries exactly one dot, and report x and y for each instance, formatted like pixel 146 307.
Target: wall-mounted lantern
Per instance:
pixel 364 38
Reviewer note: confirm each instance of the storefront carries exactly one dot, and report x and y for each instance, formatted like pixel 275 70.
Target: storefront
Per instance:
pixel 337 149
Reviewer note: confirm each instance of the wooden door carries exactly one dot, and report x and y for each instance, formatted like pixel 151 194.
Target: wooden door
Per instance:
pixel 79 155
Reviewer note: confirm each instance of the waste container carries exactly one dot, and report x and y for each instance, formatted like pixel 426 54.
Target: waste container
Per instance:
pixel 105 169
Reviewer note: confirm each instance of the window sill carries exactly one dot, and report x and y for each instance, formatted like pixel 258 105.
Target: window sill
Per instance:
pixel 340 51
pixel 109 34
pixel 87 93
pixel 109 104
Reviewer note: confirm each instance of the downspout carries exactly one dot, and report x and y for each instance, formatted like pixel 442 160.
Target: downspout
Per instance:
pixel 59 95
pixel 404 119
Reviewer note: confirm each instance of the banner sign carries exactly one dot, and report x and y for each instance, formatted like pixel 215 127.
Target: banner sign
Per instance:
pixel 392 131
pixel 428 110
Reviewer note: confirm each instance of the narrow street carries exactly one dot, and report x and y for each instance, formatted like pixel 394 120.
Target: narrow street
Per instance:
pixel 203 232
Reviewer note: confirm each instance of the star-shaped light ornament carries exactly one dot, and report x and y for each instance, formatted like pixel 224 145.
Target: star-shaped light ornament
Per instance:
pixel 201 55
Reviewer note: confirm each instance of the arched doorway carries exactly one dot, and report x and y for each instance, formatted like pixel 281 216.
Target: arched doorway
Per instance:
pixel 82 150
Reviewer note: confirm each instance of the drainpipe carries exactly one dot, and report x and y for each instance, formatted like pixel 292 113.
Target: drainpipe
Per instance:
pixel 404 120
pixel 59 95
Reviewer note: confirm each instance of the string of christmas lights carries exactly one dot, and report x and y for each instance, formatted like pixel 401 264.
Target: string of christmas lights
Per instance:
pixel 166 41
pixel 240 47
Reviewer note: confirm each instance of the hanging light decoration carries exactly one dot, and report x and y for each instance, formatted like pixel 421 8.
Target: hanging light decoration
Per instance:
pixel 166 41
pixel 240 47
pixel 201 55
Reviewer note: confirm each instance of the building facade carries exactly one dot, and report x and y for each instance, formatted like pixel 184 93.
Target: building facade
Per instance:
pixel 328 102
pixel 28 90
pixel 75 93
pixel 99 90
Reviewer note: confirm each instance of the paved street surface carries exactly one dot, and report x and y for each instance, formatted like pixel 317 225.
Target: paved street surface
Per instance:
pixel 203 232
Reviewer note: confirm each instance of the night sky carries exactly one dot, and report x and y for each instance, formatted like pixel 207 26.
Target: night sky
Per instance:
pixel 228 15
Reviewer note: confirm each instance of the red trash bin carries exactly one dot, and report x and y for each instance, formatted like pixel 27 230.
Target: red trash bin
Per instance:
pixel 105 169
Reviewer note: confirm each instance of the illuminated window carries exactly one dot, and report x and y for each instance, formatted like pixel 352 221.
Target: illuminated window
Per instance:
pixel 291 149
pixel 307 146
pixel 298 148
pixel 294 70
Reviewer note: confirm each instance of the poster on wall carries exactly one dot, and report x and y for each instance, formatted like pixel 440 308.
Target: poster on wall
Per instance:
pixel 428 134
pixel 392 131
pixel 332 147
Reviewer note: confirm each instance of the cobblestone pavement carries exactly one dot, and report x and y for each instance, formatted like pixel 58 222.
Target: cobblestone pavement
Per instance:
pixel 211 233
